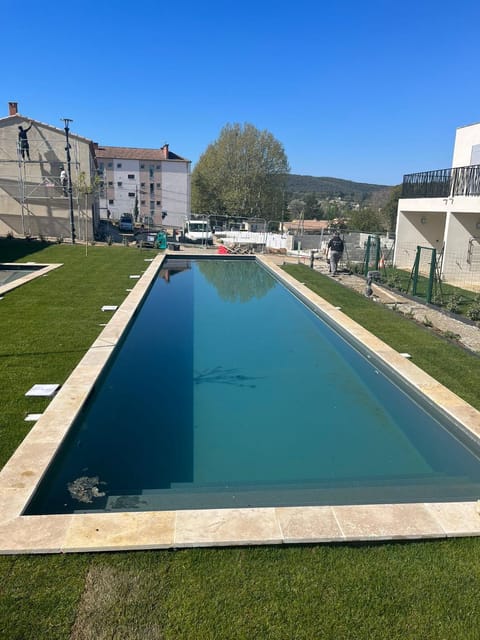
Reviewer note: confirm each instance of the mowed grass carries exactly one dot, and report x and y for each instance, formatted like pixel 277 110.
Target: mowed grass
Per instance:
pixel 390 591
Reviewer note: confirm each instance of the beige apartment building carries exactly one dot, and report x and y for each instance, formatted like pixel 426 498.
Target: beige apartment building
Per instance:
pixel 34 193
pixel 155 183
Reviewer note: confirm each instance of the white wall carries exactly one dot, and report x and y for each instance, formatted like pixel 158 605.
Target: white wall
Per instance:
pixel 123 202
pixel 175 187
pixel 418 224
pixel 465 139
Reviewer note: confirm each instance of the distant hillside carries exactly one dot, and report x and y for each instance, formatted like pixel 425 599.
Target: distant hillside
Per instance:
pixel 301 185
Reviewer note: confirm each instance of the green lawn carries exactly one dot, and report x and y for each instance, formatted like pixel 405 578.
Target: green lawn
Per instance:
pixel 392 591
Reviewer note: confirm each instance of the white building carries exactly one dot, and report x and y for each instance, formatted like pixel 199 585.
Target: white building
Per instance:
pixel 440 210
pixel 157 180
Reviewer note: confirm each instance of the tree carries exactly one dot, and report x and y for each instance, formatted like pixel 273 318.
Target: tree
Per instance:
pixel 389 211
pixel 296 208
pixel 312 208
pixel 136 211
pixel 87 188
pixel 365 220
pixel 242 173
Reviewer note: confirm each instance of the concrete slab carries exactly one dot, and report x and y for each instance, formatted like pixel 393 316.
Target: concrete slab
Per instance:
pixel 43 390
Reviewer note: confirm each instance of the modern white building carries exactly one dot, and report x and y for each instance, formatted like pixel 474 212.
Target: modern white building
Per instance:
pixel 440 210
pixel 156 181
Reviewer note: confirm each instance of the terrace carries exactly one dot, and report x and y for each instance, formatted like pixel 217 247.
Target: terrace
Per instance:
pixel 443 183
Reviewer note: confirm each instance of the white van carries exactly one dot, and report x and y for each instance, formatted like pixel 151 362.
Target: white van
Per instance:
pixel 198 231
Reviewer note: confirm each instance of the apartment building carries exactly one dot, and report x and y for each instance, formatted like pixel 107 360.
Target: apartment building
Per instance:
pixel 154 183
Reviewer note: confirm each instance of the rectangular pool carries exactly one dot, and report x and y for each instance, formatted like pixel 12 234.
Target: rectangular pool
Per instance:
pixel 15 274
pixel 229 391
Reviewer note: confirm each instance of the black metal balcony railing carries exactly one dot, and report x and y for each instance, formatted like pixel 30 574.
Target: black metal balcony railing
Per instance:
pixel 443 183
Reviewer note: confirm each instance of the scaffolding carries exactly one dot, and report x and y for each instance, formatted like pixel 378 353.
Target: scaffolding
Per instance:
pixel 37 182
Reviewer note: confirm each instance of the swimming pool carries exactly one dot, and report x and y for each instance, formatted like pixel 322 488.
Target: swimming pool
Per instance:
pixel 11 272
pixel 14 274
pixel 229 391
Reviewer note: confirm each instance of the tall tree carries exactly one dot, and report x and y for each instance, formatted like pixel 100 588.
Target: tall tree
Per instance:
pixel 389 211
pixel 312 207
pixel 242 173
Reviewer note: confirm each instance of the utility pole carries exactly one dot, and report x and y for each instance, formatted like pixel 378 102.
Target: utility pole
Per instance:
pixel 69 176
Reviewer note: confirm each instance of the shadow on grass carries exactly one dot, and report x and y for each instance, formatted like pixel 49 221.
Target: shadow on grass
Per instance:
pixel 12 249
pixel 19 354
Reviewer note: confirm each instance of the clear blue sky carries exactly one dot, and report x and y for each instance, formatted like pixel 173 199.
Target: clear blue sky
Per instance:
pixel 365 91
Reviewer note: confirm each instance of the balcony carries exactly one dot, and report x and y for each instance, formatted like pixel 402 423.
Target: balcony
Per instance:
pixel 443 183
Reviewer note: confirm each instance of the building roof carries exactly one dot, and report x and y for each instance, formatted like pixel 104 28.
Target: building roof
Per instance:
pixel 17 117
pixel 136 153
pixel 307 225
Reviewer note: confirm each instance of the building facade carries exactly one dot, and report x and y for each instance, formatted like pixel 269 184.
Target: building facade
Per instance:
pixel 151 184
pixel 440 210
pixel 34 194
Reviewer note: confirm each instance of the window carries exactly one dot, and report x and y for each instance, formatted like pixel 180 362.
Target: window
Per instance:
pixel 142 166
pixel 110 184
pixel 142 184
pixel 131 194
pixel 110 202
pixel 152 205
pixel 142 202
pixel 159 166
pixel 100 167
pixel 131 176
pixel 119 165
pixel 159 186
pixel 158 203
pixel 119 184
pixel 152 186
pixel 110 165
pixel 151 171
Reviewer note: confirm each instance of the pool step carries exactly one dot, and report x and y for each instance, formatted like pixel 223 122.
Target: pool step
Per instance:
pixel 191 497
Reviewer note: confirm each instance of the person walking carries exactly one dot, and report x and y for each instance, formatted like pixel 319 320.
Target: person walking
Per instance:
pixel 23 141
pixel 336 247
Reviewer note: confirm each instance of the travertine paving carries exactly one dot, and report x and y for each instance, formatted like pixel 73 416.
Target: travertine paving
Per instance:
pixel 212 527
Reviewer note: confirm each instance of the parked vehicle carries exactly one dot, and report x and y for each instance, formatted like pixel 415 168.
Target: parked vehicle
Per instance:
pixel 126 222
pixel 197 231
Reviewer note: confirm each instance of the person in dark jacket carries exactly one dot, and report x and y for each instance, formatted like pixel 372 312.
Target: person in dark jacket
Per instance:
pixel 23 141
pixel 335 247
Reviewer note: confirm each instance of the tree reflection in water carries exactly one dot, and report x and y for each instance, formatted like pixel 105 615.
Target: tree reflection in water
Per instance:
pixel 237 280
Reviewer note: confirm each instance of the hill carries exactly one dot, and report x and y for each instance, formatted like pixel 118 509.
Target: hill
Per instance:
pixel 298 186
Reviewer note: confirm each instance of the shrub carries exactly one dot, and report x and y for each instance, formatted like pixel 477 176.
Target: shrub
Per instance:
pixel 473 311
pixel 453 305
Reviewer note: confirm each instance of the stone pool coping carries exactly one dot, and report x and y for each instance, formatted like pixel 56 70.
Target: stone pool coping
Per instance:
pixel 213 527
pixel 45 268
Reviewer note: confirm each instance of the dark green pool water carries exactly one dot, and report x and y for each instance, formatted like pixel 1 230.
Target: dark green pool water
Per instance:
pixel 228 391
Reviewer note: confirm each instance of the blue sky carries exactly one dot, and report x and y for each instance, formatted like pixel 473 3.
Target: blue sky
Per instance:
pixel 365 91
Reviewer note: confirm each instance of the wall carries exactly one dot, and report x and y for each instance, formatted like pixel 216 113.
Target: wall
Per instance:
pixel 123 202
pixel 47 210
pixel 419 223
pixel 175 187
pixel 461 260
pixel 465 139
